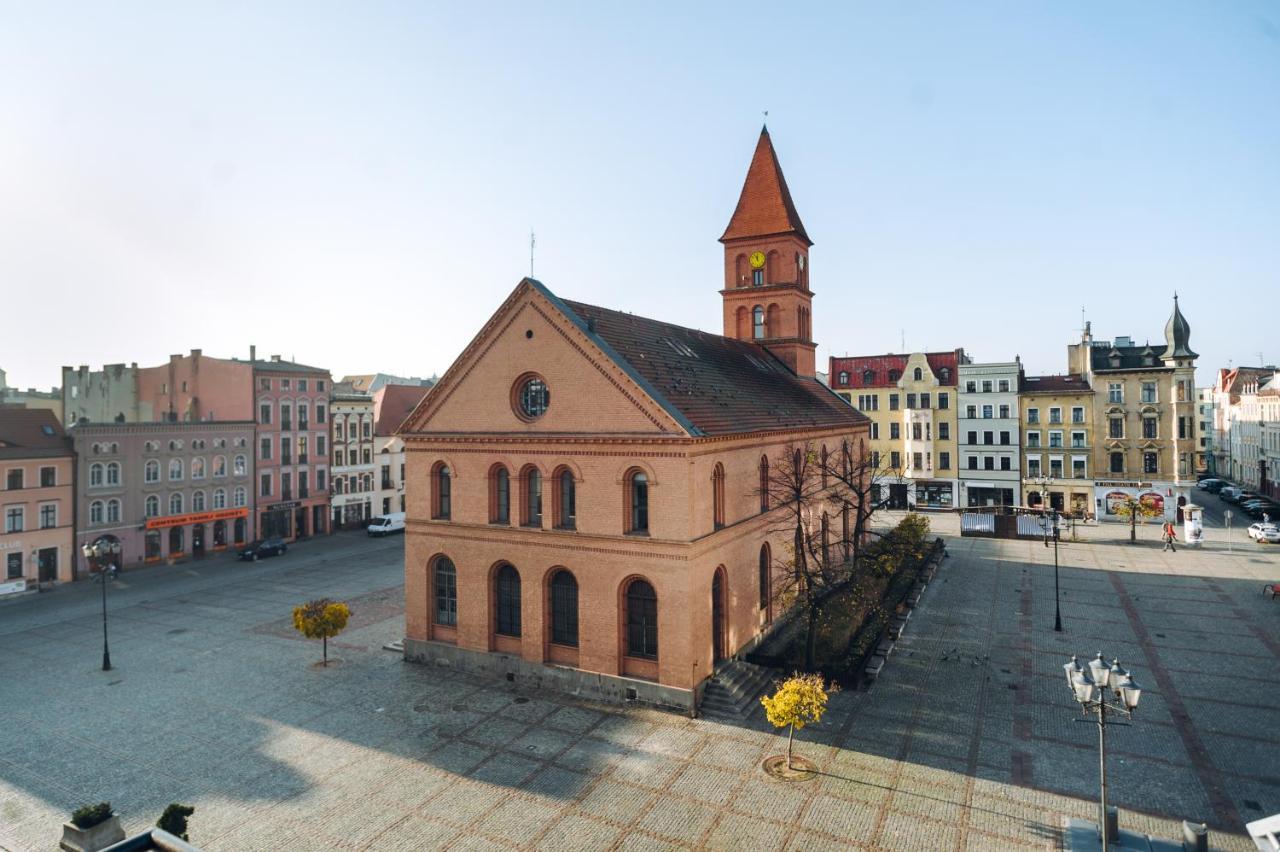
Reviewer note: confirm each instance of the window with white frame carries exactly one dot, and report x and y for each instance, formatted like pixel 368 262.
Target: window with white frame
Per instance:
pixel 175 469
pixel 96 473
pixel 97 511
pixel 152 506
pixel 175 504
pixel 1115 392
pixel 1033 467
pixel 113 511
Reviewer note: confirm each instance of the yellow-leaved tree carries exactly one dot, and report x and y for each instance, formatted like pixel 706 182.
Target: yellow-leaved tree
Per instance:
pixel 320 619
pixel 1136 509
pixel 800 700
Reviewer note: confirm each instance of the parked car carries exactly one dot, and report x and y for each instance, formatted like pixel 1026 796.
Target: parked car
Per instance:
pixel 1206 483
pixel 1258 508
pixel 1270 535
pixel 1256 529
pixel 1215 485
pixel 386 524
pixel 263 548
pixel 1229 493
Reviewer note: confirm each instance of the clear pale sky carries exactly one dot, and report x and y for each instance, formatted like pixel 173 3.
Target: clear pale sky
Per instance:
pixel 353 184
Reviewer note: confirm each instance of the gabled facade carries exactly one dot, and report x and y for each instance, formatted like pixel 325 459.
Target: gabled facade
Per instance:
pixel 582 493
pixel 910 400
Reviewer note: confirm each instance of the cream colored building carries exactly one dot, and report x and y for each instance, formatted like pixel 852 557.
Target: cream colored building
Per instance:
pixel 1057 443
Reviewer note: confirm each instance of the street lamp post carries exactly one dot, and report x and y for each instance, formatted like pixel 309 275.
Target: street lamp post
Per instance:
pixel 1090 685
pixel 102 551
pixel 1049 523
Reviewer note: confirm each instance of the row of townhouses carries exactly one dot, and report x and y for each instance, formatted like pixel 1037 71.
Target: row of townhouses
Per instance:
pixel 1242 414
pixel 1122 421
pixel 193 457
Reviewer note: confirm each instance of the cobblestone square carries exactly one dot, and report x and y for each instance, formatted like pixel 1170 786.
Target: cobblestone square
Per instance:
pixel 966 742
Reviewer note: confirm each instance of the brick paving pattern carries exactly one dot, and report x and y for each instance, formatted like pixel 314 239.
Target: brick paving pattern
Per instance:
pixel 968 741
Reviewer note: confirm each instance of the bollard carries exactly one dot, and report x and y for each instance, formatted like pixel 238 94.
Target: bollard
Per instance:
pixel 1113 824
pixel 1195 838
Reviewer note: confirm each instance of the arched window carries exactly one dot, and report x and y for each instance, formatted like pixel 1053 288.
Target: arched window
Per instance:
pixel 566 500
pixel 944 375
pixel 197 501
pixel 219 498
pixel 564 608
pixel 113 473
pixel 445 579
pixel 868 377
pixel 113 511
pixel 917 374
pixel 175 540
pixel 240 466
pixel 637 502
pixel 241 496
pixel 744 323
pixel 175 469
pixel 442 492
pixel 95 512
pixel 151 471
pixel 499 495
pixel 219 533
pixel 717 496
pixel 842 377
pixel 97 448
pixel 219 465
pixel 95 474
pixel 152 506
pixel 642 620
pixel 197 468
pixel 772 325
pixel 764 483
pixel 532 497
pixel 506 589
pixel 175 504
pixel 757 323
pixel 766 585
pixel 845 461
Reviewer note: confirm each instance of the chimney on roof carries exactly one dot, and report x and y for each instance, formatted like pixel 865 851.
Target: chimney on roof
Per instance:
pixel 253 352
pixel 275 359
pixel 195 353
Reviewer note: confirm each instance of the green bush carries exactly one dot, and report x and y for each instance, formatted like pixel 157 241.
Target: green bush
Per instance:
pixel 174 819
pixel 87 816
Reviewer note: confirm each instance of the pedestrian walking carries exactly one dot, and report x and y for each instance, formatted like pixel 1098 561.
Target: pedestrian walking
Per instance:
pixel 1170 536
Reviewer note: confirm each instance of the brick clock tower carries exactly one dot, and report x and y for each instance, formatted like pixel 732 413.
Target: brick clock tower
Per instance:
pixel 766 266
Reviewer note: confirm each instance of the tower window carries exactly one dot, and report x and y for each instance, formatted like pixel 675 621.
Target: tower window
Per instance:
pixel 757 278
pixel 757 320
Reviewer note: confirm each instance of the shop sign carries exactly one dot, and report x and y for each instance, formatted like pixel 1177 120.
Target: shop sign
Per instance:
pixel 279 507
pixel 196 518
pixel 13 587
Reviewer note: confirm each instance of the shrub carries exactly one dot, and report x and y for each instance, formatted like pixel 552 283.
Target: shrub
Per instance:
pixel 87 816
pixel 174 819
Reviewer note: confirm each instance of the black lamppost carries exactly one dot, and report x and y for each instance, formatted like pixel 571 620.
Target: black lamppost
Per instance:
pixel 1049 523
pixel 101 555
pixel 1090 687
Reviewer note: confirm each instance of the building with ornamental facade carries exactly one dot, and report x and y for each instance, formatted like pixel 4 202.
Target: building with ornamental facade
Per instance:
pixel 989 433
pixel 391 405
pixel 353 486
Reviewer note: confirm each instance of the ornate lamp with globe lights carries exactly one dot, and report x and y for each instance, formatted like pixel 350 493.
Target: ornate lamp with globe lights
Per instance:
pixel 101 554
pixel 1092 686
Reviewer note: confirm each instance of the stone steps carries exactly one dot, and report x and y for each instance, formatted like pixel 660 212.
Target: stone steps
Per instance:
pixel 733 693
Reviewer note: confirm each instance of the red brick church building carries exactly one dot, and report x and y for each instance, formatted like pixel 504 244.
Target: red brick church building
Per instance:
pixel 584 508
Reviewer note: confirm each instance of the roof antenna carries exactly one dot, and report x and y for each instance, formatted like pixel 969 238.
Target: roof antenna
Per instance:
pixel 766 119
pixel 532 242
pixel 902 333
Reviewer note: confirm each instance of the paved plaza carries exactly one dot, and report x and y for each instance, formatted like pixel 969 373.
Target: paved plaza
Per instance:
pixel 967 741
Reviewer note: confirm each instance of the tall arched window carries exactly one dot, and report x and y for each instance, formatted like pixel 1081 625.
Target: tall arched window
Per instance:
pixel 175 468
pixel 219 465
pixel 642 620
pixel 499 495
pixel 241 496
pixel 566 500
pixel 532 479
pixel 766 585
pixel 637 502
pixel 757 323
pixel 95 512
pixel 113 473
pixel 824 466
pixel 772 321
pixel 197 501
pixel 152 506
pixel 113 511
pixel 442 492
pixel 717 496
pixel 175 504
pixel 445 580
pixel 197 468
pixel 240 466
pixel 151 471
pixel 506 589
pixel 917 374
pixel 764 483
pixel 95 474
pixel 744 322
pixel 564 608
pixel 219 498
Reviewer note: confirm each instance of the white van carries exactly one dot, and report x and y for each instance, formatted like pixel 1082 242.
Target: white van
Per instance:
pixel 387 524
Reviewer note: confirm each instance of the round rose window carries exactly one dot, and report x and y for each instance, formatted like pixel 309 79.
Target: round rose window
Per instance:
pixel 532 397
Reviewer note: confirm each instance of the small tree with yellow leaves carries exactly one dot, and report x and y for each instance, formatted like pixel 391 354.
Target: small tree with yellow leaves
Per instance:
pixel 320 619
pixel 800 700
pixel 1136 509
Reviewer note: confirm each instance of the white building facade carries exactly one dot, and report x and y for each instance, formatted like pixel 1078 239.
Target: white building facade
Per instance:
pixel 352 473
pixel 989 438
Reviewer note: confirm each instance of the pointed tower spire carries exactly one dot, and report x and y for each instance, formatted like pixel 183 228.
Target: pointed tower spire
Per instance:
pixel 765 207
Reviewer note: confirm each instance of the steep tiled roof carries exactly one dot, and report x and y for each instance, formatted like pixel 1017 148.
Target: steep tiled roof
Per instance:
pixel 392 404
pixel 881 366
pixel 27 433
pixel 765 207
pixel 1071 383
pixel 711 384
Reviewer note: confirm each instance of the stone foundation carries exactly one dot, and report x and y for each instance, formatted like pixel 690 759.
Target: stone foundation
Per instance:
pixel 593 686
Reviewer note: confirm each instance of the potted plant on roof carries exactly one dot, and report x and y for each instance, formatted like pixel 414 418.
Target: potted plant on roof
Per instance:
pixel 92 827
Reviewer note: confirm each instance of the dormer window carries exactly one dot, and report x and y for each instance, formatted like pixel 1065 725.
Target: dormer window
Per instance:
pixel 918 375
pixel 868 377
pixel 894 375
pixel 843 378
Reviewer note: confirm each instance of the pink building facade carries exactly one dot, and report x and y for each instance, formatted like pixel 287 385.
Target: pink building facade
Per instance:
pixel 37 490
pixel 291 410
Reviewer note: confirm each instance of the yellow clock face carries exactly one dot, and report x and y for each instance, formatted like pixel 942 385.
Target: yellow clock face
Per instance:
pixel 757 260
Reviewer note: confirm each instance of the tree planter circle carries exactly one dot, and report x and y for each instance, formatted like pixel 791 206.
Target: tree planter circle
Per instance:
pixel 321 665
pixel 801 769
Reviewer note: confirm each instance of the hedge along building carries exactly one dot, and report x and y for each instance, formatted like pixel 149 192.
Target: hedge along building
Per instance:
pixel 584 484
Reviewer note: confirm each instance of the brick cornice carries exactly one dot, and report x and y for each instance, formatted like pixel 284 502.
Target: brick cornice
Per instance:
pixel 553 539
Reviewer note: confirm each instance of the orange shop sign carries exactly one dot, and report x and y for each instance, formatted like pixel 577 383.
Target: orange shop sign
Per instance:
pixel 196 518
